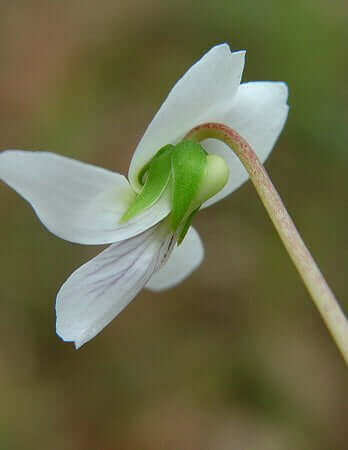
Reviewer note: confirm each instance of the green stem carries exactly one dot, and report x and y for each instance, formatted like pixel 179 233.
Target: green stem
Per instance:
pixel 319 290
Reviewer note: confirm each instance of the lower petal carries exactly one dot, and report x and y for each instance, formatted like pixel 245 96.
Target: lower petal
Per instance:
pixel 99 290
pixel 182 262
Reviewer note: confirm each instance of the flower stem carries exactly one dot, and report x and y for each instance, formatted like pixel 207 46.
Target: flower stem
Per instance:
pixel 313 279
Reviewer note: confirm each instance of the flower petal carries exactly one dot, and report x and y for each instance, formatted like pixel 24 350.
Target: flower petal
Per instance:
pixel 181 263
pixel 258 113
pixel 76 201
pixel 205 88
pixel 99 290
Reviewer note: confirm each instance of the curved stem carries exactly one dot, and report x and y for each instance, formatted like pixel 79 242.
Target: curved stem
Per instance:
pixel 319 290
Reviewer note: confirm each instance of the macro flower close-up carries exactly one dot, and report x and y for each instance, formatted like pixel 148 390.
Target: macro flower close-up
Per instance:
pixel 147 218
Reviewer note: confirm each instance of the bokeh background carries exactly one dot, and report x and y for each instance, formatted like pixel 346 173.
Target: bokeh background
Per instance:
pixel 236 357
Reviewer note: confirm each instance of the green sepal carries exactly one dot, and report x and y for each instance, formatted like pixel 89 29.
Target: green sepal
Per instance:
pixel 188 161
pixel 158 174
pixel 166 149
pixel 186 226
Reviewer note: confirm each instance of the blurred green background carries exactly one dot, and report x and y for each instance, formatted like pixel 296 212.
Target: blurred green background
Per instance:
pixel 236 357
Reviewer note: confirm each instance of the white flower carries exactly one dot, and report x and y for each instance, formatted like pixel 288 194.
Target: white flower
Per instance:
pixel 84 204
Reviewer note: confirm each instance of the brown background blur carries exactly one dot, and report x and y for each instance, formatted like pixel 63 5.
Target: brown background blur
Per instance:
pixel 236 357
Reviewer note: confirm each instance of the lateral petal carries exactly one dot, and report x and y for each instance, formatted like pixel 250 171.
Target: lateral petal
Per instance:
pixel 78 202
pixel 100 289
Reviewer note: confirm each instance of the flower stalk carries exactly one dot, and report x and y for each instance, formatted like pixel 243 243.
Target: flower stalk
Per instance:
pixel 313 279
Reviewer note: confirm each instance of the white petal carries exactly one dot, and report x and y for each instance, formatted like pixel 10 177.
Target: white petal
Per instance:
pixel 258 113
pixel 99 290
pixel 181 263
pixel 76 201
pixel 205 88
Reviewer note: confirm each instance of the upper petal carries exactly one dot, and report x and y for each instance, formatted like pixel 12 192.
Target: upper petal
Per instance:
pixel 258 113
pixel 99 290
pixel 76 201
pixel 182 262
pixel 205 88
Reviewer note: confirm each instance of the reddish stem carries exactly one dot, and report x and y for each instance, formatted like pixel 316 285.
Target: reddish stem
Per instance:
pixel 313 279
